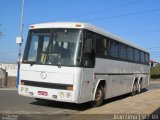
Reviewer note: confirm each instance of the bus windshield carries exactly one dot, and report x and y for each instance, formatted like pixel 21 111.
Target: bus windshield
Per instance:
pixel 53 47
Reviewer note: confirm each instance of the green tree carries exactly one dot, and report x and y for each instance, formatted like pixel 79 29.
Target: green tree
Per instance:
pixel 155 70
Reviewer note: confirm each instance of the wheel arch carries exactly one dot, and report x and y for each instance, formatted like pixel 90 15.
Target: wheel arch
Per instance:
pixel 103 83
pixel 140 80
pixel 135 79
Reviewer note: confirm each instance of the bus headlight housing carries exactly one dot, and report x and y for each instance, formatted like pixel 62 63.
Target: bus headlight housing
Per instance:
pixel 22 82
pixel 61 95
pixel 69 88
pixel 69 96
pixel 64 95
pixel 24 90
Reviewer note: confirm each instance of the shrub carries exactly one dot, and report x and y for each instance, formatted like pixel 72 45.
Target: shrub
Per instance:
pixel 155 72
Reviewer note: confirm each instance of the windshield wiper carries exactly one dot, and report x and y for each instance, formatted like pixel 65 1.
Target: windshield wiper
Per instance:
pixel 58 61
pixel 29 62
pixel 32 63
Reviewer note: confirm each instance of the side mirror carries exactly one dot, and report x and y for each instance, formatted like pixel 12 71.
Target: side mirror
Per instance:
pixel 19 40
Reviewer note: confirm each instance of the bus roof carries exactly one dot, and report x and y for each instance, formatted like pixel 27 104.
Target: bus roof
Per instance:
pixel 78 25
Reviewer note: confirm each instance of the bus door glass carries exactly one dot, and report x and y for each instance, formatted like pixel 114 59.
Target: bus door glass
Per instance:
pixel 88 61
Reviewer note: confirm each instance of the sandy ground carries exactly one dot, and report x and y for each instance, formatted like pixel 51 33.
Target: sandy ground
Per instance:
pixel 140 107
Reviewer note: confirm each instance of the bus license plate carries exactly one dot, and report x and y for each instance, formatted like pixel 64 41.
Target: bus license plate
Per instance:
pixel 43 93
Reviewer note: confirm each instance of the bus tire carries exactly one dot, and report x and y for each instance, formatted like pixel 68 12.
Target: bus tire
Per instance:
pixel 135 88
pixel 99 97
pixel 140 85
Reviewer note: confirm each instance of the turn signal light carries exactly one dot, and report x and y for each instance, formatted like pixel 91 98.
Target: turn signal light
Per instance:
pixel 69 87
pixel 22 82
pixel 32 27
pixel 78 25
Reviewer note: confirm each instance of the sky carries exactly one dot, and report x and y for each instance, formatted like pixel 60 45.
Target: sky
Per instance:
pixel 135 20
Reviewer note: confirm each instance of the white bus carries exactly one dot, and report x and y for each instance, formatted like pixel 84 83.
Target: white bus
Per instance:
pixel 78 62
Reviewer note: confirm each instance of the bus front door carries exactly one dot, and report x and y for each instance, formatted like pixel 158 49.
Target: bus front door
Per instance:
pixel 86 85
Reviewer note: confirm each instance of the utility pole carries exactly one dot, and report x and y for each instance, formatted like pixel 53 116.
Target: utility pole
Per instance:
pixel 19 41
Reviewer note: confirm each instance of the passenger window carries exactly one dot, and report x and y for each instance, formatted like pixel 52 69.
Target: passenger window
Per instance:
pixel 106 47
pixel 123 51
pixel 142 57
pixel 101 46
pixel 130 53
pixel 136 55
pixel 114 49
pixel 146 58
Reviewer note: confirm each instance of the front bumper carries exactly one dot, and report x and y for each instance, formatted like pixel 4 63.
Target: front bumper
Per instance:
pixel 50 94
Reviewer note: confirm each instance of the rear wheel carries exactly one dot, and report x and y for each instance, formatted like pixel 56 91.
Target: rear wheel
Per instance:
pixel 135 89
pixel 140 87
pixel 99 96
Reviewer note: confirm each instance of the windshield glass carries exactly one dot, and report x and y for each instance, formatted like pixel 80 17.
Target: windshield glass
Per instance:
pixel 60 47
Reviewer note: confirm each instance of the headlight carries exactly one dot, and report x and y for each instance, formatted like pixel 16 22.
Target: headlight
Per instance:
pixel 22 89
pixel 65 95
pixel 69 96
pixel 26 90
pixel 61 95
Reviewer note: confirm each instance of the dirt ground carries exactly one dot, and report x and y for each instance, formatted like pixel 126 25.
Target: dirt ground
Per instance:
pixel 144 103
pixel 143 106
pixel 11 82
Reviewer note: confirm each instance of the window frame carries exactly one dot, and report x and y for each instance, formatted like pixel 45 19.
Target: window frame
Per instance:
pixel 118 57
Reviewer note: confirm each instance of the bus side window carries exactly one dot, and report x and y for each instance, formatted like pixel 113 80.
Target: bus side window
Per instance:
pixel 123 51
pixel 130 54
pixel 142 57
pixel 146 58
pixel 114 49
pixel 101 46
pixel 88 52
pixel 136 55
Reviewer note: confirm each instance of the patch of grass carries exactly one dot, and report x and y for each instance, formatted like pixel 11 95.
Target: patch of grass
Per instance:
pixel 155 72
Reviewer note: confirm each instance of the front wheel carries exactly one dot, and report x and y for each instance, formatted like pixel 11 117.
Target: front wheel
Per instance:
pixel 99 97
